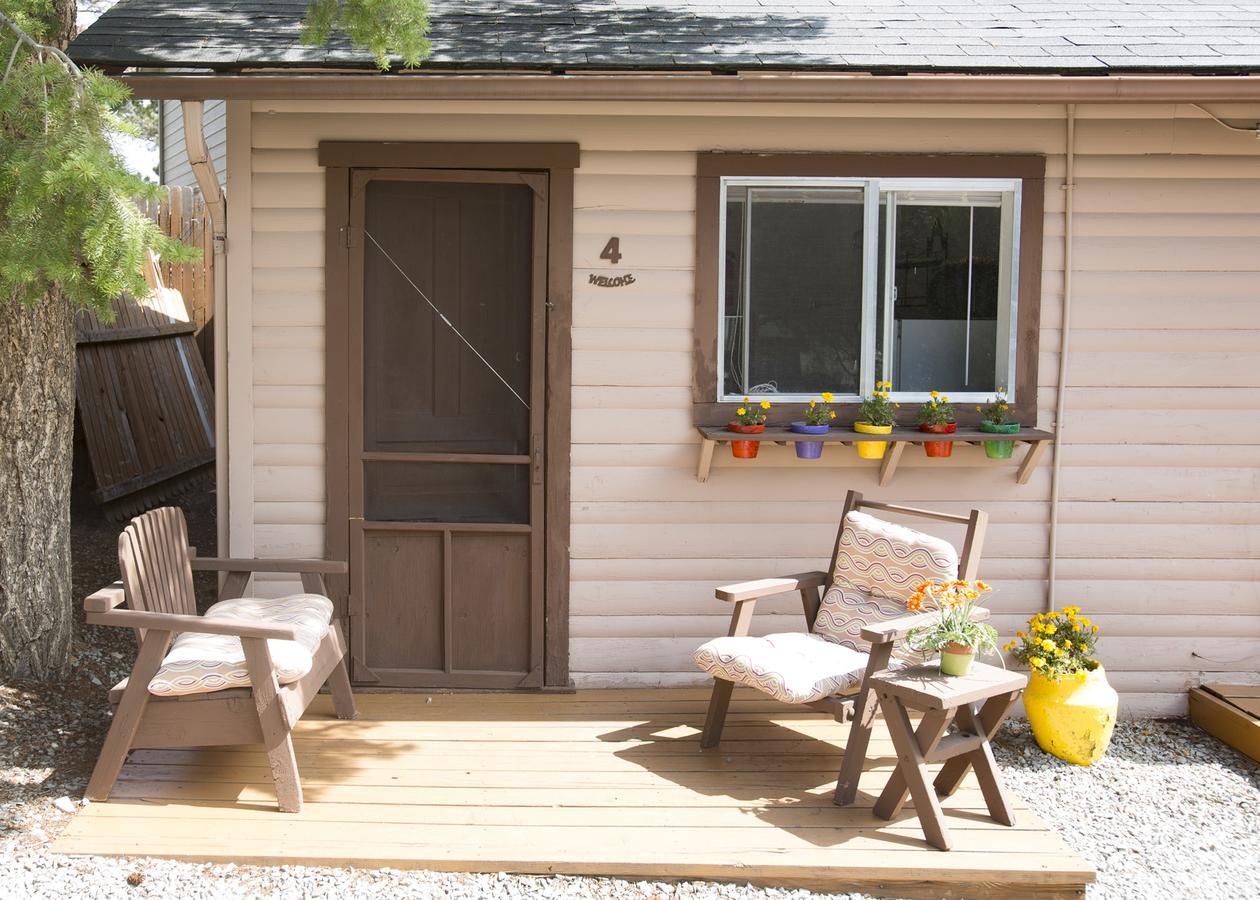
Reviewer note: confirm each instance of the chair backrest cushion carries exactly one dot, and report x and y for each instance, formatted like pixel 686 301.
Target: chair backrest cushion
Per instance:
pixel 155 562
pixel 204 663
pixel 878 566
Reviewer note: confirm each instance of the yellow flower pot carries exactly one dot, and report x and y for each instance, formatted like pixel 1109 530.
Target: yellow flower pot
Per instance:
pixel 1072 718
pixel 871 449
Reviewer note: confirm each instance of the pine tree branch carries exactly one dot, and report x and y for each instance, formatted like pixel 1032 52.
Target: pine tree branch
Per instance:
pixel 39 49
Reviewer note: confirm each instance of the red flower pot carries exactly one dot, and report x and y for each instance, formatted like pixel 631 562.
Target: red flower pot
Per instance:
pixel 939 448
pixel 745 449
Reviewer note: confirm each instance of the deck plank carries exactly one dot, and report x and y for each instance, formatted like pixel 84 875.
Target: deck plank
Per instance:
pixel 599 782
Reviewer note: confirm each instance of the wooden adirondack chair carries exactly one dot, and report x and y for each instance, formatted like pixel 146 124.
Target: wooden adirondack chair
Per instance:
pixel 243 673
pixel 859 603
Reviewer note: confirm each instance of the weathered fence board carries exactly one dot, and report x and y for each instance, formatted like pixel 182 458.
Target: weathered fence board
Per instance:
pixel 144 399
pixel 182 214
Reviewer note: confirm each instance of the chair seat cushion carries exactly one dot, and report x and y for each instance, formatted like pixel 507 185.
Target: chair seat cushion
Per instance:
pixel 202 663
pixel 793 667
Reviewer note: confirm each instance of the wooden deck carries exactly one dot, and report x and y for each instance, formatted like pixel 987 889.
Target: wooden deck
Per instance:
pixel 601 782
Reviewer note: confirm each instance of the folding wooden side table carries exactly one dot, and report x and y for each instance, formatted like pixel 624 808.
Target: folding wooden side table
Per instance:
pixel 944 699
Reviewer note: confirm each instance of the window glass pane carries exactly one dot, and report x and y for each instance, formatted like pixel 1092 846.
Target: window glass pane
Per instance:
pixel 793 299
pixel 950 322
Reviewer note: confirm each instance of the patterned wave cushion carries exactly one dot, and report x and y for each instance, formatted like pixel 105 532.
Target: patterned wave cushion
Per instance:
pixel 202 663
pixel 878 566
pixel 794 667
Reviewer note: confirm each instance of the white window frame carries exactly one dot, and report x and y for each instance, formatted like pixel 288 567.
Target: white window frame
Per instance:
pixel 875 190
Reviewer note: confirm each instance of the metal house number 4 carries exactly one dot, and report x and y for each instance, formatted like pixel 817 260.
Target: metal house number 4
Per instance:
pixel 612 250
pixel 612 253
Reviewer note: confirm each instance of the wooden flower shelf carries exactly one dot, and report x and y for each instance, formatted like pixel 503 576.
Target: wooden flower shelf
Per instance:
pixel 901 437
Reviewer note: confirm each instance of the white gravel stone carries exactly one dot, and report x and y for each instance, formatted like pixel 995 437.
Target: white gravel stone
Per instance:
pixel 1169 811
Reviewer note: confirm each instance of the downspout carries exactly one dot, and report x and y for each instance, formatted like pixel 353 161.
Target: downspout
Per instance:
pixel 1065 326
pixel 212 191
pixel 161 172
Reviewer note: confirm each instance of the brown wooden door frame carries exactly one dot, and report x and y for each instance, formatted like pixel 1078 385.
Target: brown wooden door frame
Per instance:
pixel 529 163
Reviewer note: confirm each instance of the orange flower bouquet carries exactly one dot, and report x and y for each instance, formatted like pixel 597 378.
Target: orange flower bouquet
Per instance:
pixel 954 634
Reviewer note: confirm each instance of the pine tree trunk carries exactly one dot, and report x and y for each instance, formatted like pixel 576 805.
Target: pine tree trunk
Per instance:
pixel 37 363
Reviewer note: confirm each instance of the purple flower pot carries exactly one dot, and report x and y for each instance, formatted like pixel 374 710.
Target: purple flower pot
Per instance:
pixel 808 449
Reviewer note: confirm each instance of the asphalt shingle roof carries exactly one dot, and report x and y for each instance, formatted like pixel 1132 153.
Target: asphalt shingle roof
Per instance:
pixel 1072 36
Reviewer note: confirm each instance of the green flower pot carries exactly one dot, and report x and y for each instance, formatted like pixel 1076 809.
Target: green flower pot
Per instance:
pixel 999 449
pixel 957 659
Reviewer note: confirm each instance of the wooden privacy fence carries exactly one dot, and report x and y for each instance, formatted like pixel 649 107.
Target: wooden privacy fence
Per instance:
pixel 181 213
pixel 144 393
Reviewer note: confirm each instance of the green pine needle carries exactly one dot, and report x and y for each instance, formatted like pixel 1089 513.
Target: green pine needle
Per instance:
pixel 387 29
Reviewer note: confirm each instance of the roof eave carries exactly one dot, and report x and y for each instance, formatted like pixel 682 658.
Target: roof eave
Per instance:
pixel 779 86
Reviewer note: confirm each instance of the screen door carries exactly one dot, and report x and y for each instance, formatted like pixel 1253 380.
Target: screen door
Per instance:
pixel 448 284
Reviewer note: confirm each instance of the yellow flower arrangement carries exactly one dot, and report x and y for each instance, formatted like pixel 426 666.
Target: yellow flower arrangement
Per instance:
pixel 747 414
pixel 820 413
pixel 876 407
pixel 1071 656
pixel 937 411
pixel 998 412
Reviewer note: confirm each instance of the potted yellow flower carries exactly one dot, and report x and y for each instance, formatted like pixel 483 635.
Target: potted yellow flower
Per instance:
pixel 954 635
pixel 995 419
pixel 1070 705
pixel 937 417
pixel 876 415
pixel 818 418
pixel 749 419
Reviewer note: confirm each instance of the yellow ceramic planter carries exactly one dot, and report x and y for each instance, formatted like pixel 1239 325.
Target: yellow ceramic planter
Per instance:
pixel 1072 718
pixel 871 449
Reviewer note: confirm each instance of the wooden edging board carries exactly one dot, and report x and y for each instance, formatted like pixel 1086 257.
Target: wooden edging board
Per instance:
pixel 1229 712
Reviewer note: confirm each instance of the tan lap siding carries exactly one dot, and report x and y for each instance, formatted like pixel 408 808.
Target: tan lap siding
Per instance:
pixel 1160 520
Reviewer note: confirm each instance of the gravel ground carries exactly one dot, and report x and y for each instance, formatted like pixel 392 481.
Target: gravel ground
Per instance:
pixel 1169 812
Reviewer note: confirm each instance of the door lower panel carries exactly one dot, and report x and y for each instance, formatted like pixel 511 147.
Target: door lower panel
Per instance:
pixel 450 606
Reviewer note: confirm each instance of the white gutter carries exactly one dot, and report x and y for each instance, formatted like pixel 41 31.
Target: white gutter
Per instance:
pixel 212 191
pixel 1065 326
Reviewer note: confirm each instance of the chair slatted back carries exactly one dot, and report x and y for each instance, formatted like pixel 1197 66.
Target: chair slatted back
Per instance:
pixel 155 563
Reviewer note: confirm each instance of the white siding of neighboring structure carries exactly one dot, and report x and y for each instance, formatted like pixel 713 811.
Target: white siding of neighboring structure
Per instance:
pixel 175 168
pixel 1159 534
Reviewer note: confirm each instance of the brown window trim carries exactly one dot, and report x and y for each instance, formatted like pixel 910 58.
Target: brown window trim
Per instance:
pixel 711 167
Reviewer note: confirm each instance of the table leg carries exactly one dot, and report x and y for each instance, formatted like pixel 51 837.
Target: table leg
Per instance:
pixel 992 715
pixel 912 773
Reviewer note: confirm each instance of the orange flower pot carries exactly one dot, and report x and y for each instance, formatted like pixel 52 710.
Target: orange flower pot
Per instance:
pixel 745 449
pixel 939 449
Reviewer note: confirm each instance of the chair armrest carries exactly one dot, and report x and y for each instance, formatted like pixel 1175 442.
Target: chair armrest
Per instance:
pixel 286 566
pixel 769 587
pixel 896 629
pixel 106 598
pixel 244 628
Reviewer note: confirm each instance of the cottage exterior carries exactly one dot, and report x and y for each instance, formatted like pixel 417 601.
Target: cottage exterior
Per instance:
pixel 1124 207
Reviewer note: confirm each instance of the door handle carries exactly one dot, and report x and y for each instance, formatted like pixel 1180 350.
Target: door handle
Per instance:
pixel 536 459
